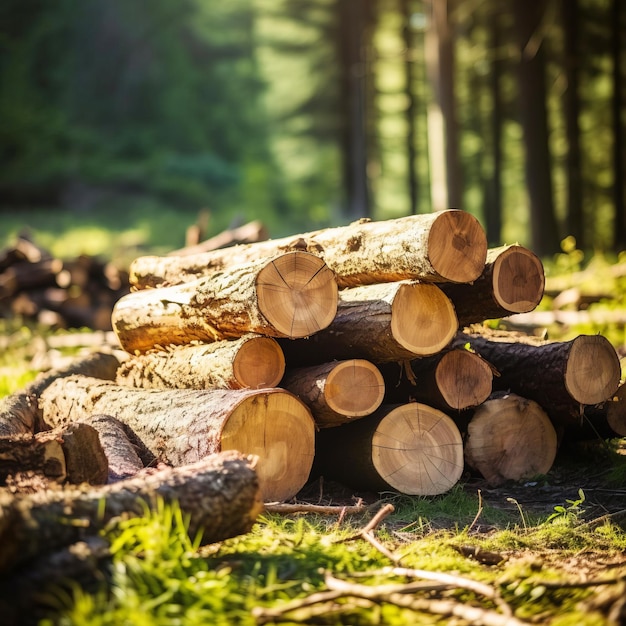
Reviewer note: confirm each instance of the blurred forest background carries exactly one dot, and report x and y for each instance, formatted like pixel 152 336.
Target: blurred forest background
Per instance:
pixel 308 113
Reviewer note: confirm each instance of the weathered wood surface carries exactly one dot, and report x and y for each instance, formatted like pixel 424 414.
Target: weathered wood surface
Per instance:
pixel 442 246
pixel 292 295
pixel 219 493
pixel 180 426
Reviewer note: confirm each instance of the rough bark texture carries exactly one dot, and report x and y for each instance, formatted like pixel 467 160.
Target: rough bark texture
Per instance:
pixel 252 361
pixel 442 246
pixel 19 412
pixel 513 281
pixel 180 426
pixel 219 493
pixel 383 322
pixel 292 295
pixel 84 456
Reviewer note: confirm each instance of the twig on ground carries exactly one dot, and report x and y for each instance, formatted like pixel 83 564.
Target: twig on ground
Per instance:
pixel 288 509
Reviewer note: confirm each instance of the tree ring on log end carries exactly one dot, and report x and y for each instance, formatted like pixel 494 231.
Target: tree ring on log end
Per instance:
pixel 518 280
pixel 457 246
pixel 418 450
pixel 259 363
pixel 423 319
pixel 593 370
pixel 354 388
pixel 463 378
pixel 297 293
pixel 278 428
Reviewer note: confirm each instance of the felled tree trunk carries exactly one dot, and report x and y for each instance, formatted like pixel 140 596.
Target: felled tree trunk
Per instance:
pixel 383 322
pixel 292 295
pixel 252 361
pixel 441 246
pixel 338 392
pixel 20 413
pixel 512 282
pixel 510 438
pixel 219 493
pixel 180 426
pixel 411 448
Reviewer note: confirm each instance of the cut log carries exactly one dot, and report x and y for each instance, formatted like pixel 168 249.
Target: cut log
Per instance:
pixel 510 438
pixel 19 412
pixel 411 448
pixel 512 282
pixel 443 246
pixel 219 494
pixel 560 376
pixel 338 392
pixel 292 295
pixel 41 453
pixel 453 380
pixel 383 322
pixel 180 426
pixel 252 361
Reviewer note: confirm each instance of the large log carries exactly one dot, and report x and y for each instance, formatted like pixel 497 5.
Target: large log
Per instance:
pixel 510 438
pixel 292 295
pixel 338 392
pixel 512 281
pixel 252 361
pixel 180 426
pixel 219 493
pixel 561 376
pixel 20 413
pixel 382 322
pixel 443 246
pixel 411 448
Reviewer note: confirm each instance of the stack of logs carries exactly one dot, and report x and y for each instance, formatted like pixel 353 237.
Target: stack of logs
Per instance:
pixel 358 353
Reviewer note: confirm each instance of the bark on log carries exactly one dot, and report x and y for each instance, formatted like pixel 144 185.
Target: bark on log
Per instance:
pixel 560 376
pixel 180 426
pixel 20 413
pixel 411 448
pixel 383 322
pixel 41 453
pixel 250 362
pixel 338 392
pixel 453 380
pixel 443 246
pixel 510 438
pixel 219 493
pixel 512 282
pixel 84 456
pixel 292 295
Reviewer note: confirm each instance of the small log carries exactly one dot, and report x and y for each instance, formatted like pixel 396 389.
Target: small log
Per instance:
pixel 25 275
pixel 250 362
pixel 219 494
pixel 512 281
pixel 180 426
pixel 510 438
pixel 84 455
pixel 24 249
pixel 560 376
pixel 20 413
pixel 292 295
pixel 411 448
pixel 381 323
pixel 338 392
pixel 41 453
pixel 442 246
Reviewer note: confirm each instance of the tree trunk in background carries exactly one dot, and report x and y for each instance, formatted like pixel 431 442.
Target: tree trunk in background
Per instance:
pixel 575 217
pixel 534 119
pixel 446 187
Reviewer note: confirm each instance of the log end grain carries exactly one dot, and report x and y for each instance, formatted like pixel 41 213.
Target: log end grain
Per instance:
pixel 457 246
pixel 518 280
pixel 463 378
pixel 418 450
pixel 259 363
pixel 616 412
pixel 354 388
pixel 297 293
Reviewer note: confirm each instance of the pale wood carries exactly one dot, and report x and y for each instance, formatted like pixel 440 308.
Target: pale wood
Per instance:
pixel 410 448
pixel 512 281
pixel 338 392
pixel 252 361
pixel 292 295
pixel 510 438
pixel 180 426
pixel 219 493
pixel 382 322
pixel 442 246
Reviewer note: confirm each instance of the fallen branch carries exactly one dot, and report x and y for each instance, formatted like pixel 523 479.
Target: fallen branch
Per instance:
pixel 289 509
